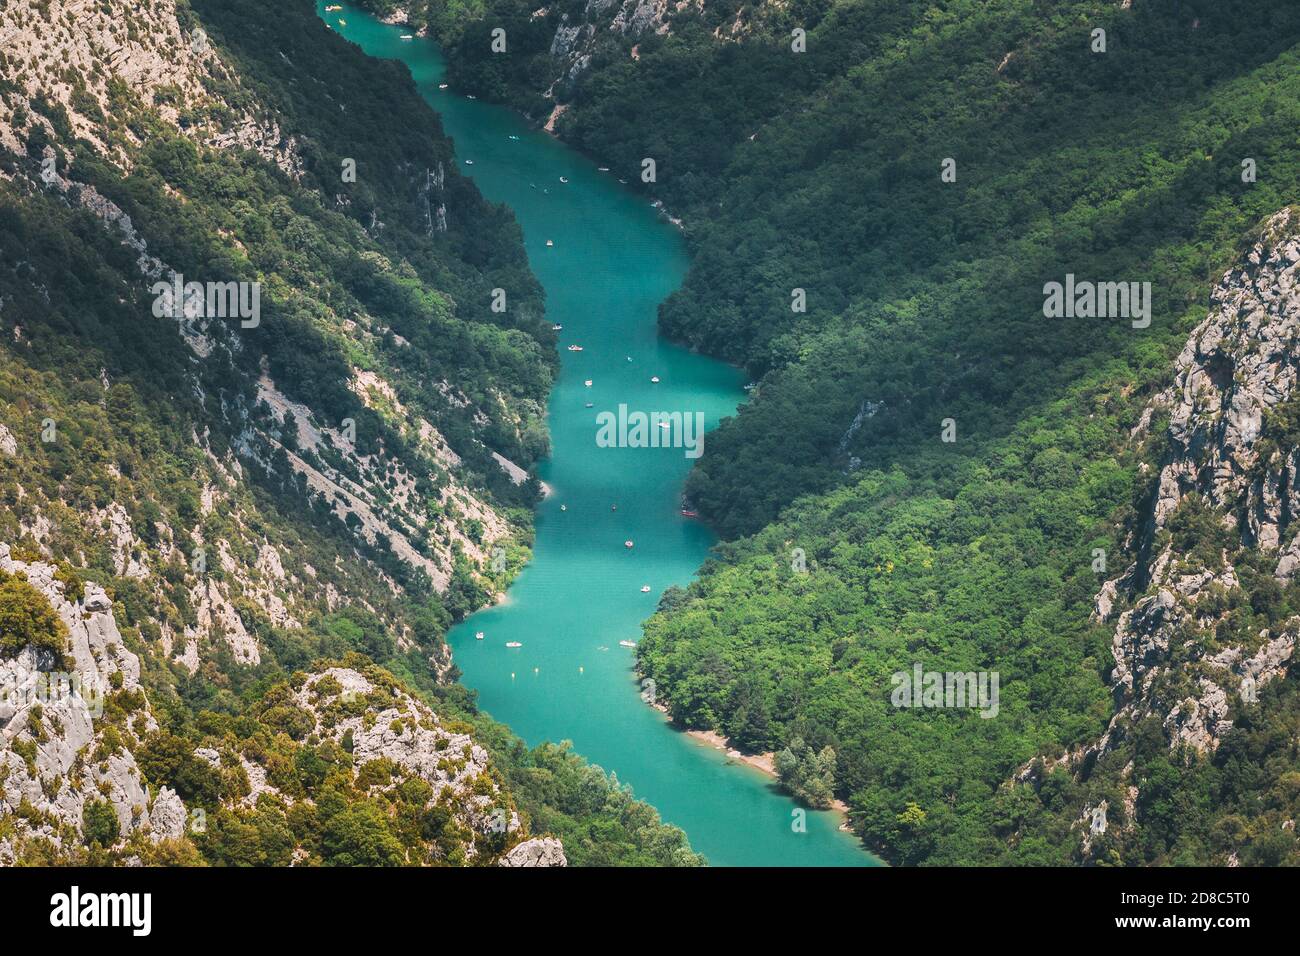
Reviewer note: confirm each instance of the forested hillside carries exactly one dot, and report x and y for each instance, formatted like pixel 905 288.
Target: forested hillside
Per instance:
pixel 1199 760
pixel 930 470
pixel 334 476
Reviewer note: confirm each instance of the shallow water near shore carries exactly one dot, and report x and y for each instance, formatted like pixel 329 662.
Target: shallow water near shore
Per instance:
pixel 613 260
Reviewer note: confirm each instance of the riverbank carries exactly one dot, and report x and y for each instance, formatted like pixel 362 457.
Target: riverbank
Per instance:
pixel 765 762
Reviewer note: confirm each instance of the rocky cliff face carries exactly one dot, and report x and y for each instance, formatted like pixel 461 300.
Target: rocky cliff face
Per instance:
pixel 1218 532
pixel 384 723
pixel 1237 369
pixel 576 37
pixel 117 77
pixel 79 54
pixel 71 724
pixel 613 28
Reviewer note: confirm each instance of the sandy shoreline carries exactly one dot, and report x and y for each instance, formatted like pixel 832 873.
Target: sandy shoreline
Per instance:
pixel 766 762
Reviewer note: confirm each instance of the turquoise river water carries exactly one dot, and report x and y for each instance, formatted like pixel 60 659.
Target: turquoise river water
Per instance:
pixel 613 260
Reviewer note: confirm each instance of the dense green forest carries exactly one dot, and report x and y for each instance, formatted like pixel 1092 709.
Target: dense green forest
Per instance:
pixel 924 475
pixel 859 539
pixel 108 407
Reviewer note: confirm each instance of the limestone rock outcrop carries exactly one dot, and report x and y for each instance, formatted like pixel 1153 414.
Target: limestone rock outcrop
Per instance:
pixel 156 55
pixel 577 36
pixel 1229 462
pixel 386 723
pixel 1238 366
pixel 57 750
pixel 539 852
pixel 1238 369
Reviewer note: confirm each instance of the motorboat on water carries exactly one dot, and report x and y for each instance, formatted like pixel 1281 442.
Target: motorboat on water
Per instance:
pixel 549 242
pixel 478 635
pixel 628 543
pixel 587 383
pixel 469 162
pixel 513 644
pixel 654 379
pixel 627 643
pixel 563 179
pixel 557 328
pixel 575 348
pixel 645 589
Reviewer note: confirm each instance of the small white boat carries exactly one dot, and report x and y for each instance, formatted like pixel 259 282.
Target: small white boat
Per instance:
pixel 478 635
pixel 470 96
pixel 549 243
pixel 513 136
pixel 628 543
pixel 627 643
pixel 587 383
pixel 564 507
pixel 591 404
pixel 513 644
pixel 469 162
pixel 654 379
pixel 407 36
pixel 442 86
pixel 602 169
pixel 563 179
pixel 645 589
pixel 557 328
pixel 575 348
